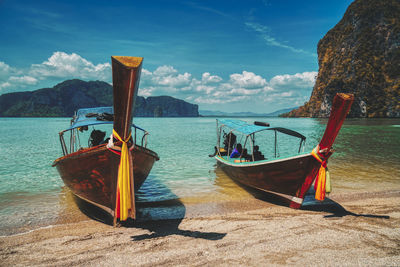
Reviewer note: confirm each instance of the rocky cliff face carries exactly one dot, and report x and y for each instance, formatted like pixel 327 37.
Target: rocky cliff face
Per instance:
pixel 360 55
pixel 65 98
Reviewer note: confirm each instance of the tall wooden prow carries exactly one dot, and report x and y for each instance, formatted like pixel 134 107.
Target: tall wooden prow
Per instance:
pixel 340 108
pixel 126 75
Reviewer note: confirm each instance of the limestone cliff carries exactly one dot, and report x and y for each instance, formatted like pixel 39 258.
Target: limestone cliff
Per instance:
pixel 360 55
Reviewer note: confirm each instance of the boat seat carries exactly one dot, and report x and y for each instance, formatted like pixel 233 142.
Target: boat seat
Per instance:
pixel 96 138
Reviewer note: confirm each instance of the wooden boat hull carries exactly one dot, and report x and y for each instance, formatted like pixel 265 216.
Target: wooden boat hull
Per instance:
pixel 91 174
pixel 287 178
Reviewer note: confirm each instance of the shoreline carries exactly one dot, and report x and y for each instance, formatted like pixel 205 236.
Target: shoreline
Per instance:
pixel 78 211
pixel 358 228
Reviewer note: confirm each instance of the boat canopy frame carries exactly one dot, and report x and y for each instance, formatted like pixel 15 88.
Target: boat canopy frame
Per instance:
pixel 249 130
pixel 93 116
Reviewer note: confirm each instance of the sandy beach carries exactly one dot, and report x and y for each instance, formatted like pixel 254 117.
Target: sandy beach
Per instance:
pixel 359 229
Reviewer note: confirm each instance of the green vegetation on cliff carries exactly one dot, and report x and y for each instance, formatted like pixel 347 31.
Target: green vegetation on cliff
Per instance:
pixel 65 98
pixel 360 55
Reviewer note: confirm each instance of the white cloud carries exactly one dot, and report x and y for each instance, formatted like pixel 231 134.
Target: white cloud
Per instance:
pixel 248 80
pixel 245 89
pixel 181 80
pixel 148 91
pixel 6 71
pixel 60 66
pixel 298 80
pixel 244 92
pixel 291 90
pixel 165 71
pixel 166 78
pixel 23 80
pixel 63 65
pixel 210 89
pixel 204 88
pixel 8 78
pixel 216 100
pixel 208 78
pixel 4 85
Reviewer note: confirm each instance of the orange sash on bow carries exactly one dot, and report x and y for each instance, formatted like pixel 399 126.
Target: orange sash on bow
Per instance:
pixel 322 181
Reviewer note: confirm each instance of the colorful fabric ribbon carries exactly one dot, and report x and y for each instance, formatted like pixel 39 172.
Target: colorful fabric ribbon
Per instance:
pixel 124 195
pixel 322 183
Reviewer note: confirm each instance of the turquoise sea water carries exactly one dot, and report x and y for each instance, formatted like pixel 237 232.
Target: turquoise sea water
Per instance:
pixel 33 194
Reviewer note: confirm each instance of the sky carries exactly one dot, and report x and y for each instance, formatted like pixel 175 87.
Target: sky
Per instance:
pixel 231 56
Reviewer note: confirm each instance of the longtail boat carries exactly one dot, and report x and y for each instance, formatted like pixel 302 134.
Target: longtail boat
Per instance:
pixel 287 177
pixel 107 173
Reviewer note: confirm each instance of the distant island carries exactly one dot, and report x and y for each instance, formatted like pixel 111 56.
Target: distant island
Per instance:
pixel 211 113
pixel 65 98
pixel 360 55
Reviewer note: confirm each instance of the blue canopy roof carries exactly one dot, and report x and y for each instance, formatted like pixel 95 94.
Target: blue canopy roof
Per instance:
pixel 241 126
pixel 93 116
pixel 245 128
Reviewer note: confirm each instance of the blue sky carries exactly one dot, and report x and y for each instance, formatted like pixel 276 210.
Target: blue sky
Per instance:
pixel 255 56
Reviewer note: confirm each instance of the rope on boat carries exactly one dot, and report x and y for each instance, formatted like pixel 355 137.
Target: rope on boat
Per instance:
pixel 124 195
pixel 116 149
pixel 322 183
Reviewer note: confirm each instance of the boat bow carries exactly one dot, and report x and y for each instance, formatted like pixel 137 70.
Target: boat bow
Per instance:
pixel 340 108
pixel 126 74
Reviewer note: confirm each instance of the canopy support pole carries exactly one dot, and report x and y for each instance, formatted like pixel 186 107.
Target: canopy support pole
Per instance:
pixel 276 141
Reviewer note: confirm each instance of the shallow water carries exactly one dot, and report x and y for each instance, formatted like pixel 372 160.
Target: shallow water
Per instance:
pixel 33 194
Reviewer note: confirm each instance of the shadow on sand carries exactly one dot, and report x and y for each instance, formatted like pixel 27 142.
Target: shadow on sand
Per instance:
pixel 309 203
pixel 161 218
pixel 171 227
pixel 330 206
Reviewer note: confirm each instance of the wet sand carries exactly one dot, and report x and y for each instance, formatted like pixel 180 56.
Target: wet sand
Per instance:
pixel 350 229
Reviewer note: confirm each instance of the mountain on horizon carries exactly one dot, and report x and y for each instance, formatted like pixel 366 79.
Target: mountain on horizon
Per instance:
pixel 216 113
pixel 66 97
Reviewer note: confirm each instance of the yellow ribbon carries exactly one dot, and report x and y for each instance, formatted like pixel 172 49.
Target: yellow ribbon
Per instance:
pixel 124 183
pixel 322 182
pixel 328 187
